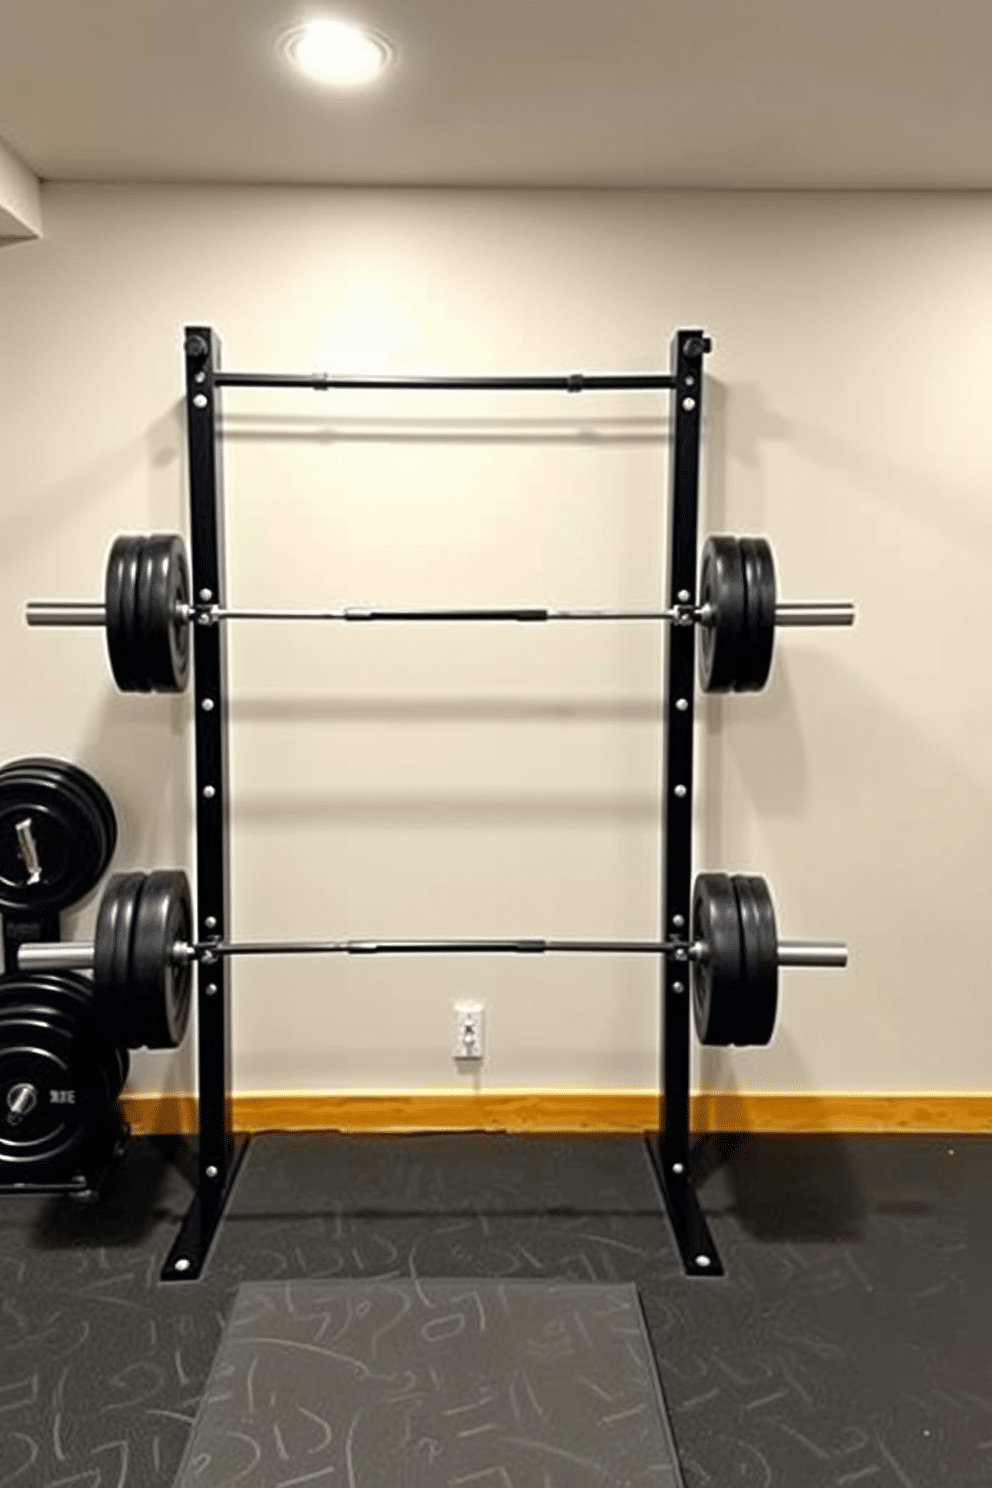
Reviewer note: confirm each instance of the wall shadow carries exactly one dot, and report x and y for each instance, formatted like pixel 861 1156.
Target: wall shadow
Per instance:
pixel 794 1186
pixel 417 808
pixel 451 708
pixel 523 430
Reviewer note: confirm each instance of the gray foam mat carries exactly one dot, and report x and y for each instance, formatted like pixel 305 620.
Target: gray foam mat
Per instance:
pixel 432 1384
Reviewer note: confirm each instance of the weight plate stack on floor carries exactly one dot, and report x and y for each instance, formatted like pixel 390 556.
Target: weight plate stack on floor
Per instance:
pixel 59 1082
pixel 58 832
pixel 142 994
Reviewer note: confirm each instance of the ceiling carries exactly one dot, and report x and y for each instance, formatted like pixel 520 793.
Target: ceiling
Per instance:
pixel 721 93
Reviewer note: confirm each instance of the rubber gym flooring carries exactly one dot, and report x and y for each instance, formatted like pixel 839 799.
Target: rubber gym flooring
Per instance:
pixel 849 1345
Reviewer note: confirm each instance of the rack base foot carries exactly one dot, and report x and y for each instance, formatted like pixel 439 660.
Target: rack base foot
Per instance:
pixel 697 1247
pixel 189 1251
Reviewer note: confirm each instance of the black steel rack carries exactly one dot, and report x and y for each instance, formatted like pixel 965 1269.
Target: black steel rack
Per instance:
pixel 219 1153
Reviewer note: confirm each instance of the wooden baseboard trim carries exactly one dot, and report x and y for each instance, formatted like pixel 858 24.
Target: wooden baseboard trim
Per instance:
pixel 570 1111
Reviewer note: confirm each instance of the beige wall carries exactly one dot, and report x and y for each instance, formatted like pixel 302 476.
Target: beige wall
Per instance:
pixel 505 782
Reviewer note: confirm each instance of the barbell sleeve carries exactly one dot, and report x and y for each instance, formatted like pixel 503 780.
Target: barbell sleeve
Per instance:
pixel 812 953
pixel 68 955
pixel 829 612
pixel 65 612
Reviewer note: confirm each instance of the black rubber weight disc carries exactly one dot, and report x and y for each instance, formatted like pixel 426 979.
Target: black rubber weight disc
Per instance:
pixel 121 601
pixel 100 802
pixel 161 987
pixel 758 1003
pixel 91 798
pixel 758 639
pixel 721 589
pixel 54 1093
pixel 163 585
pixel 57 834
pixel 716 979
pixel 113 943
pixel 74 996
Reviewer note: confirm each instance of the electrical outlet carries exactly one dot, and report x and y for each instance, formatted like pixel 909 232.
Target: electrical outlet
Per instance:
pixel 470 1022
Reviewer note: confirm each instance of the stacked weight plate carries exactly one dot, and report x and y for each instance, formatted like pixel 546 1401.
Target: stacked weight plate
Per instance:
pixel 146 593
pixel 735 980
pixel 59 1078
pixel 737 594
pixel 142 993
pixel 57 835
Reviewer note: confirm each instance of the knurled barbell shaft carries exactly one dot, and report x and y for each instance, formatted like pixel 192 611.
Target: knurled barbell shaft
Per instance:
pixel 77 955
pixel 41 612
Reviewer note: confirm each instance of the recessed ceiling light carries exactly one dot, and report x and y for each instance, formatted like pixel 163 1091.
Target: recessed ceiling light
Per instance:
pixel 338 54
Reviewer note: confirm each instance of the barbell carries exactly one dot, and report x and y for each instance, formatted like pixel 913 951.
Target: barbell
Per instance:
pixel 147 612
pixel 143 953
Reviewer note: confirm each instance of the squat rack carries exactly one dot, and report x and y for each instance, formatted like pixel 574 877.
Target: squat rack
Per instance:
pixel 219 1152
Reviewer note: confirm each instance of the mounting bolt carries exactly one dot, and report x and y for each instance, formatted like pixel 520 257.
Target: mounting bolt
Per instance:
pixel 206 594
pixel 678 921
pixel 196 346
pixel 200 400
pixel 703 1260
pixel 678 1168
pixel 683 596
pixel 678 987
pixel 211 989
pixel 680 791
pixel 208 705
pixel 182 1264
pixel 209 792
pixel 697 346
pixel 210 923
pixel 680 703
pixel 211 1171
pixel 687 403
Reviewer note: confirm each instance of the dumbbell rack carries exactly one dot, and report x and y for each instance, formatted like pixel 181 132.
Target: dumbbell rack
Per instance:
pixel 219 1152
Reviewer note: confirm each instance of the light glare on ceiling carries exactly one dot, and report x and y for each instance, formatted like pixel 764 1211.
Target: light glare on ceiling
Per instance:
pixel 336 53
